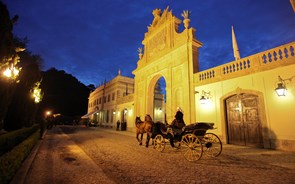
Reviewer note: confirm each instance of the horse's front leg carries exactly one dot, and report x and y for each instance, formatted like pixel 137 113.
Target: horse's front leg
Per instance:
pixel 141 137
pixel 139 140
pixel 148 137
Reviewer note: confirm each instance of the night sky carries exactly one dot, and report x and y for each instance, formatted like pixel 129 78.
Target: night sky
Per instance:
pixel 93 39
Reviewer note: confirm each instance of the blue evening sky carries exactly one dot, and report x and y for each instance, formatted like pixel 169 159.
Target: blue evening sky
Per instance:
pixel 93 39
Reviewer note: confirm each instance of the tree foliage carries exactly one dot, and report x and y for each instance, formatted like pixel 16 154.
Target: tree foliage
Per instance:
pixel 63 93
pixel 22 109
pixel 17 109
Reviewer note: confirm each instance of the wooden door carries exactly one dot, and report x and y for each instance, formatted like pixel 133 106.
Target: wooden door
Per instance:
pixel 235 121
pixel 244 127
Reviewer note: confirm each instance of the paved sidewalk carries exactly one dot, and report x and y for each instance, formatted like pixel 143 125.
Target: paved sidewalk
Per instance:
pixel 38 157
pixel 66 161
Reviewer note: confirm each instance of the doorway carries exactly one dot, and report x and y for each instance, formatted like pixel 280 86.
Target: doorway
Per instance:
pixel 243 122
pixel 160 100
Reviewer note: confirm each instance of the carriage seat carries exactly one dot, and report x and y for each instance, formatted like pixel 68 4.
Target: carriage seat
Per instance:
pixel 199 125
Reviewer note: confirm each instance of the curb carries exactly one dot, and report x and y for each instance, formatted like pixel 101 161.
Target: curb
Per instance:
pixel 21 173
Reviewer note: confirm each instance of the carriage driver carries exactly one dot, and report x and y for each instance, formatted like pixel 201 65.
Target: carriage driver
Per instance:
pixel 177 125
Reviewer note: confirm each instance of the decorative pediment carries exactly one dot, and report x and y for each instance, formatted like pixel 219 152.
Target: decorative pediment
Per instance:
pixel 159 19
pixel 163 36
pixel 159 35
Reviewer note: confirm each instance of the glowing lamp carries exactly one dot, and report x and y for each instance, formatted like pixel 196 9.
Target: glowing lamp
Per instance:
pixel 203 100
pixel 281 89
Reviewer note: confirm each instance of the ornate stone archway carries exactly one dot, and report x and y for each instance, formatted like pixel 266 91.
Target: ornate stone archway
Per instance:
pixel 173 55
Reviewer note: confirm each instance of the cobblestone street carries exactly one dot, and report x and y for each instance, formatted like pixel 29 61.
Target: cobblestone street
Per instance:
pixel 76 154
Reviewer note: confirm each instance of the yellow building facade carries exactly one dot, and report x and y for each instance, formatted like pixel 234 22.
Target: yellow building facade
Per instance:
pixel 239 97
pixel 111 102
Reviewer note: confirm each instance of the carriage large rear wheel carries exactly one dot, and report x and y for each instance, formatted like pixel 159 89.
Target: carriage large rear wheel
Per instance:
pixel 159 143
pixel 191 147
pixel 211 145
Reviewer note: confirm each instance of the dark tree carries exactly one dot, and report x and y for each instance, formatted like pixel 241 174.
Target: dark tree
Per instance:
pixel 91 87
pixel 6 36
pixel 22 109
pixel 8 56
pixel 63 94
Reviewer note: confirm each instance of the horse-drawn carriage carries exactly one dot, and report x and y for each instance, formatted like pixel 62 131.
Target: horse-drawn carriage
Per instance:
pixel 193 140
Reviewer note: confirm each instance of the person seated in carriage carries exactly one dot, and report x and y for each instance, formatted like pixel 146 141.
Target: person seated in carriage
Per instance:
pixel 177 125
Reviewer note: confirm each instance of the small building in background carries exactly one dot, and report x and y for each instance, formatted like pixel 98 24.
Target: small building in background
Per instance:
pixel 111 102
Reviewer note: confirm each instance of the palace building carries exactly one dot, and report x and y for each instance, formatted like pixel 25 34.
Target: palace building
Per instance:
pixel 241 97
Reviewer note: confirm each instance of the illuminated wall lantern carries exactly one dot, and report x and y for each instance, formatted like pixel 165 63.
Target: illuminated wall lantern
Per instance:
pixel 203 100
pixel 280 90
pixel 158 110
pixel 205 96
pixel 281 86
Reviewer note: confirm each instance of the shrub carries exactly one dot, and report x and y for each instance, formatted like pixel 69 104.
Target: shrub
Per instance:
pixel 11 139
pixel 11 161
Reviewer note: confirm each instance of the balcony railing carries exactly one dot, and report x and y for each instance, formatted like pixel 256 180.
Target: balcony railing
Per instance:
pixel 279 56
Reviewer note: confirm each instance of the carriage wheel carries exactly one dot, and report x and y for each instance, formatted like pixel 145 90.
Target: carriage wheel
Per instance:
pixel 191 147
pixel 159 143
pixel 212 145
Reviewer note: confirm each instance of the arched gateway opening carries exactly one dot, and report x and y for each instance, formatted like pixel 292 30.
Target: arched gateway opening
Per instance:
pixel 158 99
pixel 170 54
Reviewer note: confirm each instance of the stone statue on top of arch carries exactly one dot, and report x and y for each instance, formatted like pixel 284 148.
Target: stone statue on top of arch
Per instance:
pixel 157 15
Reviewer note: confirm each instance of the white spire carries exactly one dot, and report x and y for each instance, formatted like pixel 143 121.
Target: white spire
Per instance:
pixel 235 45
pixel 293 4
